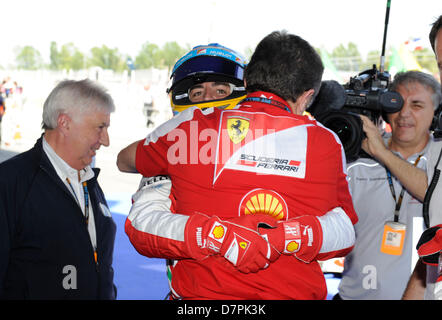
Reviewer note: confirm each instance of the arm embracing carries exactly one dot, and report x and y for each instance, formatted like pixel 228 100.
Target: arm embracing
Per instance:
pixel 157 232
pixel 126 158
pixel 311 237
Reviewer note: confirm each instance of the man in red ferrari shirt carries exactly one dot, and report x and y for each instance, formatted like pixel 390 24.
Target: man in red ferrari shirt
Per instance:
pixel 259 192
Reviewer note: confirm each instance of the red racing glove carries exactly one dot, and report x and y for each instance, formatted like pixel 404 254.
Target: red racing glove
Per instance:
pixel 430 244
pixel 429 249
pixel 301 237
pixel 237 240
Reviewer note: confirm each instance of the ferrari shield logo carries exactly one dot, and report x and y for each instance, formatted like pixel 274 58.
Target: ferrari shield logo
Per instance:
pixel 237 129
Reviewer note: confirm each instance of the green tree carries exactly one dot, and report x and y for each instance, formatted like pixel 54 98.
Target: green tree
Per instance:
pixel 426 59
pixel 149 56
pixel 107 58
pixel 78 60
pixel 347 58
pixel 170 53
pixel 28 58
pixel 53 56
pixel 373 57
pixel 68 57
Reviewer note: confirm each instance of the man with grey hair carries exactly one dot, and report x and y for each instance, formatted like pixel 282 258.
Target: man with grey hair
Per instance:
pixel 426 280
pixel 390 216
pixel 56 232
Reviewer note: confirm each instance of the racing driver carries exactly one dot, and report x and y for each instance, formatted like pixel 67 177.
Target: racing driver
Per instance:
pixel 260 193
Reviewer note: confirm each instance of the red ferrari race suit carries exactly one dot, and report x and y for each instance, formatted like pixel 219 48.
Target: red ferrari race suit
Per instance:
pixel 257 157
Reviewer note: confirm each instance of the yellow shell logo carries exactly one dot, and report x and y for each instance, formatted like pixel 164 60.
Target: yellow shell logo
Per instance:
pixel 218 232
pixel 260 201
pixel 292 246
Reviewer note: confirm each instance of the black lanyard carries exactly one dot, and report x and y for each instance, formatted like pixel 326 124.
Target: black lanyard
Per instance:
pixel 268 101
pixel 393 192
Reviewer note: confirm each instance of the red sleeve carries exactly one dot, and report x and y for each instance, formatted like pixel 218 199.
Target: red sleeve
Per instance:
pixel 344 196
pixel 328 148
pixel 151 158
pixel 163 146
pixel 337 229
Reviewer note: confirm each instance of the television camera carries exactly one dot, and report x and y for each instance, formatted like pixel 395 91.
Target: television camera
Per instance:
pixel 338 107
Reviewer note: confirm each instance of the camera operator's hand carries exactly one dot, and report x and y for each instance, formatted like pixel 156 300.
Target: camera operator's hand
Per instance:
pixel 413 179
pixel 373 144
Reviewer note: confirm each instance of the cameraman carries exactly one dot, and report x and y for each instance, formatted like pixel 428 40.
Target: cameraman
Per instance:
pixel 422 281
pixel 384 193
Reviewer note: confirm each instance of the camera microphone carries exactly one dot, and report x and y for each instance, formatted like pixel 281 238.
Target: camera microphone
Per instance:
pixel 339 107
pixel 331 95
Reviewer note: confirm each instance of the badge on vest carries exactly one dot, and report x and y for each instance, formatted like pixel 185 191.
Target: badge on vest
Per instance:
pixel 393 238
pixel 105 210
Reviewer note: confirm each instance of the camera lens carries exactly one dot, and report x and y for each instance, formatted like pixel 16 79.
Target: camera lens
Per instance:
pixel 349 130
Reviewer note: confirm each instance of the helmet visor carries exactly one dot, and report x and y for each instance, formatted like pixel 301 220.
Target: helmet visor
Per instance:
pixel 207 64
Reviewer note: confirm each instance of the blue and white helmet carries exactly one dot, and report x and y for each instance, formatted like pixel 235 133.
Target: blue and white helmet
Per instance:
pixel 207 63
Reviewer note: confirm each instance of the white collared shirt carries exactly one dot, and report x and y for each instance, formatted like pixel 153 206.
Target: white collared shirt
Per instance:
pixel 70 178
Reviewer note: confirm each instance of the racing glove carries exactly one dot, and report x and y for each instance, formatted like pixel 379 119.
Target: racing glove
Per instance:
pixel 300 237
pixel 237 240
pixel 430 244
pixel 429 249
